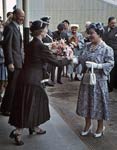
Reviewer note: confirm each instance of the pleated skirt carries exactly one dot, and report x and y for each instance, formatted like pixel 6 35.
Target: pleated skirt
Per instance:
pixel 30 106
pixel 3 73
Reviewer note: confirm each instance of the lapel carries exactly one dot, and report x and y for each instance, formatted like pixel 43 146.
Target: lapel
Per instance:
pixel 17 32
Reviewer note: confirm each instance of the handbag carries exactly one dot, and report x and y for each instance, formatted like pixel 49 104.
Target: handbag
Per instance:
pixel 92 77
pixel 89 77
pixel 75 60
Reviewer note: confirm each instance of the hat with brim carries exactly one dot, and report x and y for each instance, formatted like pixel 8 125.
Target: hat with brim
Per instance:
pixel 46 19
pixel 38 25
pixel 74 25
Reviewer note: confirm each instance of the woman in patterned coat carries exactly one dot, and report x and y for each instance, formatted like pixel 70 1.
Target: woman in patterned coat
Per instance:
pixel 93 99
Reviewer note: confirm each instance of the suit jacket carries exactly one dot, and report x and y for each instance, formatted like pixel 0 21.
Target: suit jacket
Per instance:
pixel 110 37
pixel 12 46
pixel 36 55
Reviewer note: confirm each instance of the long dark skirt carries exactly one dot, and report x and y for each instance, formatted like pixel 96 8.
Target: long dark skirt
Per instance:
pixel 10 90
pixel 30 107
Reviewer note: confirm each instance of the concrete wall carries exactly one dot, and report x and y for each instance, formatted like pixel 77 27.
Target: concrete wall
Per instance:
pixel 76 11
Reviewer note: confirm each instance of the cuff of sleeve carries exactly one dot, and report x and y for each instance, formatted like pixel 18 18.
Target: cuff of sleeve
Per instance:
pixel 99 66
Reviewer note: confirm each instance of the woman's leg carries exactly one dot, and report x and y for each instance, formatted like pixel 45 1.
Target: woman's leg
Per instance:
pixel 100 129
pixel 16 135
pixel 19 131
pixel 2 89
pixel 87 123
pixel 87 128
pixel 59 75
pixel 100 126
pixel 66 70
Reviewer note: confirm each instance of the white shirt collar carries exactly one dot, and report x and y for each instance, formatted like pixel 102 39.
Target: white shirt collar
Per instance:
pixel 109 29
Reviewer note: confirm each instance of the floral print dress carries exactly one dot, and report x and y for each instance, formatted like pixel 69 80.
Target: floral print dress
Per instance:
pixel 93 100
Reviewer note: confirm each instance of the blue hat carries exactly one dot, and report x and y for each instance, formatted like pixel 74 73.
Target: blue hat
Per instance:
pixel 98 27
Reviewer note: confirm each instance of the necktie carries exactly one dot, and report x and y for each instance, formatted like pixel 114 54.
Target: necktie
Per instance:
pixel 18 28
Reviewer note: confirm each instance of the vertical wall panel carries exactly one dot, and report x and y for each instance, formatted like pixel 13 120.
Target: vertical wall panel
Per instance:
pixel 76 11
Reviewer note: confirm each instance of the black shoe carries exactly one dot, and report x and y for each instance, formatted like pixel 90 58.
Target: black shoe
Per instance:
pixel 14 136
pixel 60 82
pixel 76 79
pixel 49 84
pixel 31 131
pixel 41 132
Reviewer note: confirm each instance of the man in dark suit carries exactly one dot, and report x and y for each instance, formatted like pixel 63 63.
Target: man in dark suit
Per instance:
pixel 12 47
pixel 110 37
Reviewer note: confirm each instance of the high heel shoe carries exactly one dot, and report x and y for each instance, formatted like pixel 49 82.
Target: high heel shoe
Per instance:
pixel 39 131
pixel 98 135
pixel 85 133
pixel 14 136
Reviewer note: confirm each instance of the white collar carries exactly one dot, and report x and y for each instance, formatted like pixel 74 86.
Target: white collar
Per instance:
pixel 109 29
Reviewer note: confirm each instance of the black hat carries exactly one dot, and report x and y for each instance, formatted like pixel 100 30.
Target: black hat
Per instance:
pixel 38 25
pixel 61 27
pixel 46 19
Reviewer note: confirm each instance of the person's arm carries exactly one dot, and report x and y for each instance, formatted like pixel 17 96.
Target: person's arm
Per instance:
pixel 7 47
pixel 81 42
pixel 83 57
pixel 108 63
pixel 47 56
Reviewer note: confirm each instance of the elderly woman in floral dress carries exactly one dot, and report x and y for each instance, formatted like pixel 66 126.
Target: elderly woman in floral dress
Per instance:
pixel 93 99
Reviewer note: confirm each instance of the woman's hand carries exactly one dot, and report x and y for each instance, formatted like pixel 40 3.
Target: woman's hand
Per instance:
pixel 90 64
pixel 54 45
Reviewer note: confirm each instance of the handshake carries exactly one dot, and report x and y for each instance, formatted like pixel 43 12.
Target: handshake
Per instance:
pixel 90 64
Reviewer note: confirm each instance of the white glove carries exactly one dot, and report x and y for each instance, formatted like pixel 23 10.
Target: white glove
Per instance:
pixel 89 64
